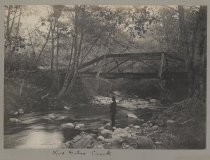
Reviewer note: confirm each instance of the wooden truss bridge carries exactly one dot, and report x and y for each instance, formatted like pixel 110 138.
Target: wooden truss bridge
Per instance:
pixel 153 65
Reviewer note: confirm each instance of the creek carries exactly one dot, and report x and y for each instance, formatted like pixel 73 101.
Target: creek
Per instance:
pixel 37 130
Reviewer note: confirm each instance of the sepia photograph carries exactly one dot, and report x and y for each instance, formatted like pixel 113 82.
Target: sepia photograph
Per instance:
pixel 126 77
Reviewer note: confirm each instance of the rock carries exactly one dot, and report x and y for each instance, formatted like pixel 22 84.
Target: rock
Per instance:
pixel 125 146
pixel 154 101
pixel 68 144
pixel 127 128
pixel 144 143
pixel 132 141
pixel 52 116
pixel 77 127
pixel 154 127
pixel 137 127
pixel 108 140
pixel 123 133
pixel 77 138
pixel 67 125
pixel 170 121
pixel 116 139
pixel 131 115
pixel 14 120
pixel 101 138
pixel 67 108
pixel 82 141
pixel 106 133
pixel 15 113
pixel 60 117
pixel 107 126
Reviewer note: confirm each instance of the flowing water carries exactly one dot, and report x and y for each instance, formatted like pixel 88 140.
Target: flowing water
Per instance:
pixel 37 130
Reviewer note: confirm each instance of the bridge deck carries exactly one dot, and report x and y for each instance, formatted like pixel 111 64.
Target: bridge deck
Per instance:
pixel 177 75
pixel 90 68
pixel 142 56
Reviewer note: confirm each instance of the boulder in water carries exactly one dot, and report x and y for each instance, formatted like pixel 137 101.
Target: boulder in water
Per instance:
pixel 79 126
pixel 131 115
pixel 14 120
pixel 137 127
pixel 60 117
pixel 15 113
pixel 154 101
pixel 67 125
pixel 67 108
pixel 52 116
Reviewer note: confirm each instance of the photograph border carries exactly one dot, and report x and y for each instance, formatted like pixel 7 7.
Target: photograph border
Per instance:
pixel 48 154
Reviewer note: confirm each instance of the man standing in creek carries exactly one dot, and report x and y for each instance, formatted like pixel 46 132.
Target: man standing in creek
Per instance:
pixel 113 111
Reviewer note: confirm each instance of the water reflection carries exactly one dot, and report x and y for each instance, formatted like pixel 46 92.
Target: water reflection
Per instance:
pixel 41 140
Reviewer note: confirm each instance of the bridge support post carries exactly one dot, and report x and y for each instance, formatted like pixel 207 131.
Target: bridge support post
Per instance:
pixel 162 60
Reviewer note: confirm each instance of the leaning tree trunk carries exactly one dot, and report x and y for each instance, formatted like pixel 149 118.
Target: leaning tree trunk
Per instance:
pixel 71 66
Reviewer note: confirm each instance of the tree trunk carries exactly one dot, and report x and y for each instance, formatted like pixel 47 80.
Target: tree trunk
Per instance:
pixel 7 48
pixel 184 48
pixel 52 54
pixel 18 28
pixel 199 55
pixel 73 67
pixel 57 69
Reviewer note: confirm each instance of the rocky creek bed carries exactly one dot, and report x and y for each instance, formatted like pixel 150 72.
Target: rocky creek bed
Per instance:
pixel 137 127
